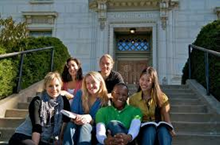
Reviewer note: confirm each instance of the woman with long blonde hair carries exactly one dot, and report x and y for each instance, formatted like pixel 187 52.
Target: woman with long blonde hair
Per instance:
pixel 86 103
pixel 155 107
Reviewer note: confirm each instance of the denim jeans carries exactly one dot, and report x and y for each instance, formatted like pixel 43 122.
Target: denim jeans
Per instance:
pixel 77 134
pixel 116 127
pixel 150 135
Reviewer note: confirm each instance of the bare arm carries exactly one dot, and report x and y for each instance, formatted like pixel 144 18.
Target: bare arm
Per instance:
pixel 165 113
pixel 36 137
pixel 67 94
pixel 166 116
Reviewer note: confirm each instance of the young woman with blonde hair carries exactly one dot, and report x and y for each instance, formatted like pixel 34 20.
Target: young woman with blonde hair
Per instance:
pixel 45 124
pixel 86 103
pixel 155 106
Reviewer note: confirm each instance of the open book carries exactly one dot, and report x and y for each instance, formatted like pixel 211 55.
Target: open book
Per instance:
pixel 158 124
pixel 68 114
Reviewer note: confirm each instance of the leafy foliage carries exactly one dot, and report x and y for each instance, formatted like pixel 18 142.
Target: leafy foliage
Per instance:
pixel 7 76
pixel 209 38
pixel 37 64
pixel 12 34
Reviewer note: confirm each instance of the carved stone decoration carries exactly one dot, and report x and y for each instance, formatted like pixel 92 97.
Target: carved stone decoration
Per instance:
pixel 28 19
pixel 217 11
pixel 164 5
pixel 103 6
pixel 40 17
pixel 102 10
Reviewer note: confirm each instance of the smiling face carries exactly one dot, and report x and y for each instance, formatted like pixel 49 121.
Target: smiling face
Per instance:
pixel 92 85
pixel 120 95
pixel 146 82
pixel 106 65
pixel 72 67
pixel 53 88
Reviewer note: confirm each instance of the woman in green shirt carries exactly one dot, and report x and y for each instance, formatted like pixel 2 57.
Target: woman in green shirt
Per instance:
pixel 155 107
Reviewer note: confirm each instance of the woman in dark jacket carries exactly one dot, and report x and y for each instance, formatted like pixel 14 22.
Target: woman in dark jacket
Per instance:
pixel 45 123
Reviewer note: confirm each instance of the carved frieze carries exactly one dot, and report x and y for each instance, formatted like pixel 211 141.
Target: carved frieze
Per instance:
pixel 132 15
pixel 40 17
pixel 102 7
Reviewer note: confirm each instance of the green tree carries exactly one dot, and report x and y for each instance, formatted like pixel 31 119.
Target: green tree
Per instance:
pixel 12 34
pixel 209 38
pixel 7 75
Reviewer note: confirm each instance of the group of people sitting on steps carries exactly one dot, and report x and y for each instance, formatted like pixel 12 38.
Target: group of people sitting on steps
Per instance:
pixel 104 112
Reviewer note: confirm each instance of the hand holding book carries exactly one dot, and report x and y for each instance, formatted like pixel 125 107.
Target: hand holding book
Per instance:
pixel 158 124
pixel 68 114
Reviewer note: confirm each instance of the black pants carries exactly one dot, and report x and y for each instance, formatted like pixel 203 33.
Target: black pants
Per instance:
pixel 18 139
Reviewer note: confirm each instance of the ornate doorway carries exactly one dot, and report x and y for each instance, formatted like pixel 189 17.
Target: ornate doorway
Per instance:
pixel 133 53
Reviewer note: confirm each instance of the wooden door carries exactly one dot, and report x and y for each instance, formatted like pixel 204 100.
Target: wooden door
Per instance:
pixel 131 70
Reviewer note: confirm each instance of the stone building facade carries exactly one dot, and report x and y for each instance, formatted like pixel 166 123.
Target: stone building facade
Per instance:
pixel 91 28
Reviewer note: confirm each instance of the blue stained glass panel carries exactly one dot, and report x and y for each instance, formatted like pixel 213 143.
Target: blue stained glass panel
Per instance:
pixel 133 44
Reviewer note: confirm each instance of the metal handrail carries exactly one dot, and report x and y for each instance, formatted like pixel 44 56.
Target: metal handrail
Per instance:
pixel 206 52
pixel 3 56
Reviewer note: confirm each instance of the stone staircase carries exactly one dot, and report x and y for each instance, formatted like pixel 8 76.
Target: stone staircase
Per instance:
pixel 193 120
pixel 13 118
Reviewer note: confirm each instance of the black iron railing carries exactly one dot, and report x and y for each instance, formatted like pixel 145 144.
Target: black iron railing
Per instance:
pixel 206 53
pixel 22 53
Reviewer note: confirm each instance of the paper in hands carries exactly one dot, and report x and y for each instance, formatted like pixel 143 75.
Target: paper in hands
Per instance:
pixel 68 114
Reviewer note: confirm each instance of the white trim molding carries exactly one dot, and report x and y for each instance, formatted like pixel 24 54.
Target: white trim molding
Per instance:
pixel 41 1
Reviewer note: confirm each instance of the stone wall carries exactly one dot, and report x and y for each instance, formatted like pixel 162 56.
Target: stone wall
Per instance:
pixel 78 27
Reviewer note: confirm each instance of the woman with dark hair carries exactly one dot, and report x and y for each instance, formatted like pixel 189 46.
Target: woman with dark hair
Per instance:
pixel 72 77
pixel 155 107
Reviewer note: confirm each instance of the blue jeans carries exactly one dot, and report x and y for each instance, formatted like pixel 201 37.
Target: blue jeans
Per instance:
pixel 116 127
pixel 77 134
pixel 150 135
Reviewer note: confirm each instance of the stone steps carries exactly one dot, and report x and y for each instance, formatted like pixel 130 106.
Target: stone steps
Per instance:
pixel 193 117
pixel 23 105
pixel 197 127
pixel 175 87
pixel 6 133
pixel 196 139
pixel 184 101
pixel 189 108
pixel 10 121
pixel 182 94
pixel 16 113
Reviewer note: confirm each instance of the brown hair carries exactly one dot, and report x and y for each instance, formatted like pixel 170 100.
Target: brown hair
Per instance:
pixel 155 84
pixel 65 74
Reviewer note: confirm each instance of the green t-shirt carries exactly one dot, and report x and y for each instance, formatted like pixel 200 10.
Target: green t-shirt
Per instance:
pixel 106 114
